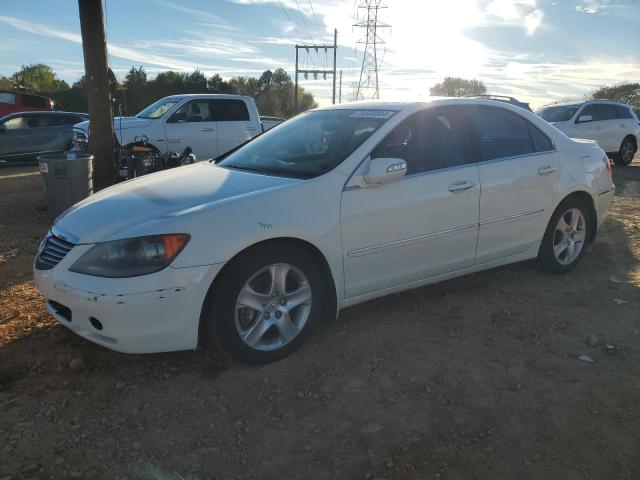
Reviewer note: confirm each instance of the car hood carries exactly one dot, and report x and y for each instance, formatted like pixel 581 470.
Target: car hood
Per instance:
pixel 119 123
pixel 159 195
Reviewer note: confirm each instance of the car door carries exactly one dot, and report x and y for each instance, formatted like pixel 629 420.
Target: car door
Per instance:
pixel 233 123
pixel 625 125
pixel 192 125
pixel 422 225
pixel 519 171
pixel 601 127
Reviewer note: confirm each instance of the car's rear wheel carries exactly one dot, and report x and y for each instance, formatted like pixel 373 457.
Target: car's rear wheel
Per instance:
pixel 266 303
pixel 566 237
pixel 627 151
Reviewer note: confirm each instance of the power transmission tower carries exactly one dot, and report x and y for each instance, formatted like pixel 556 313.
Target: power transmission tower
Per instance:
pixel 368 84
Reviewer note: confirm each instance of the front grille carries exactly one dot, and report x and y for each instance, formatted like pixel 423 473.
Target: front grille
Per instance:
pixel 51 251
pixel 80 141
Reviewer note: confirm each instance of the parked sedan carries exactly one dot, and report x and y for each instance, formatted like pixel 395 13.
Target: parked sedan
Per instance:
pixel 26 135
pixel 613 125
pixel 334 207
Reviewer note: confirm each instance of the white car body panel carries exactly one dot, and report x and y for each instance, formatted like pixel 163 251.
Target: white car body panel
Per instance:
pixel 609 134
pixel 376 240
pixel 207 139
pixel 385 229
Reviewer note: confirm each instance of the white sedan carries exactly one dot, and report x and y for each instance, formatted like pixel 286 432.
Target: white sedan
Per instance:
pixel 335 207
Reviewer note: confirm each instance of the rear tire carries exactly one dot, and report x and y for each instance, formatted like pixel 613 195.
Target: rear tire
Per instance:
pixel 566 237
pixel 627 151
pixel 287 293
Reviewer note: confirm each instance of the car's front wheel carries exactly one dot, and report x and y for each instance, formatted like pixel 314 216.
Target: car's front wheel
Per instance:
pixel 566 237
pixel 266 303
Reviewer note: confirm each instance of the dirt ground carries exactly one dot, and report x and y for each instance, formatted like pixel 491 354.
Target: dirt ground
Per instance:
pixel 474 378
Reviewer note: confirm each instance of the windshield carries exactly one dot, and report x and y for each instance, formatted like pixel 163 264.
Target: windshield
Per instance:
pixel 308 145
pixel 558 114
pixel 159 108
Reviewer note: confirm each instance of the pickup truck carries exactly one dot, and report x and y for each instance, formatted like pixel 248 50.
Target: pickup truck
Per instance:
pixel 208 123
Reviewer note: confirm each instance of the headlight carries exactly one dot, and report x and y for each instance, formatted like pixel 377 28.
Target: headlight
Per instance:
pixel 131 257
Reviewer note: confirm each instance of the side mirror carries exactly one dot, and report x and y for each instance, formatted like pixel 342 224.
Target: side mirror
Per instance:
pixel 177 117
pixel 385 170
pixel 584 118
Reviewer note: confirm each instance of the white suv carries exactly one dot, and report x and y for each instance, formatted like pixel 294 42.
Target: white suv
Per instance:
pixel 613 125
pixel 210 124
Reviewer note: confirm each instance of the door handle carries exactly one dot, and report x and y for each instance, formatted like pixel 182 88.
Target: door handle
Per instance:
pixel 461 186
pixel 207 129
pixel 251 128
pixel 546 170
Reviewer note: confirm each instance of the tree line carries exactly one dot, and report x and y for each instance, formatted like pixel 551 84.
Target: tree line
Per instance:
pixel 273 91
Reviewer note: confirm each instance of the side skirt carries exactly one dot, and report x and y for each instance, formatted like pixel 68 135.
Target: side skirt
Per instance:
pixel 530 253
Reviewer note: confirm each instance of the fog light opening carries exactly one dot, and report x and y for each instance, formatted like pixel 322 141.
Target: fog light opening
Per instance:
pixel 62 310
pixel 97 324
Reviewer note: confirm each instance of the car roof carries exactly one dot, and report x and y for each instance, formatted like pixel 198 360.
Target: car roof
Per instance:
pixel 440 101
pixel 578 103
pixel 182 96
pixel 41 112
pixel 47 112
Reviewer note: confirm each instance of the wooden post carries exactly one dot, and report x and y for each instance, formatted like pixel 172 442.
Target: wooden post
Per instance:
pixel 98 95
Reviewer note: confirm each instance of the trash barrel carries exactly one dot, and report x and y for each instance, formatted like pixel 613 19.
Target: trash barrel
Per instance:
pixel 68 178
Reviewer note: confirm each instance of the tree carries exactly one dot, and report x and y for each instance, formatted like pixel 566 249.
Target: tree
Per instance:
pixel 627 93
pixel 195 82
pixel 458 87
pixel 216 84
pixel 135 79
pixel 39 78
pixel 6 83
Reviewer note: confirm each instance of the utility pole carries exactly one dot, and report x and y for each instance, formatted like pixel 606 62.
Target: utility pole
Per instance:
pixel 316 72
pixel 98 96
pixel 369 71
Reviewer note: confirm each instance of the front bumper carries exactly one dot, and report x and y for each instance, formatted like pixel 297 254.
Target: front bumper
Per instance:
pixel 152 313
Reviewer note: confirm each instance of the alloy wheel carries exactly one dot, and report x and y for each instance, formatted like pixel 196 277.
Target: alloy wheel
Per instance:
pixel 569 236
pixel 627 152
pixel 273 307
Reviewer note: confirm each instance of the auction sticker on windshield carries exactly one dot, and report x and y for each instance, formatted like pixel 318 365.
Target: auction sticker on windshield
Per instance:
pixel 384 114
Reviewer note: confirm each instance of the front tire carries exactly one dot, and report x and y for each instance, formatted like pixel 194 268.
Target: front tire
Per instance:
pixel 266 303
pixel 626 153
pixel 566 237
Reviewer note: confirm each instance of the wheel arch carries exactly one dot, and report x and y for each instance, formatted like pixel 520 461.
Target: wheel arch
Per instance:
pixel 589 201
pixel 312 250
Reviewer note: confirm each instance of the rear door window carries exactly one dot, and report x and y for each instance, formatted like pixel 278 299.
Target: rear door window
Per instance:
pixel 229 110
pixel 503 134
pixel 7 97
pixel 623 112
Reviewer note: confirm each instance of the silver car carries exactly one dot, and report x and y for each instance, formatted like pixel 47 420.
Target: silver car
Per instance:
pixel 25 135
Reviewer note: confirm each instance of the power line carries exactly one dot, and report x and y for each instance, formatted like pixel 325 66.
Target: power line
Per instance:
pixel 304 22
pixel 316 20
pixel 295 27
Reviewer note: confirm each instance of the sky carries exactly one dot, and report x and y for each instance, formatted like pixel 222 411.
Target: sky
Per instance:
pixel 536 50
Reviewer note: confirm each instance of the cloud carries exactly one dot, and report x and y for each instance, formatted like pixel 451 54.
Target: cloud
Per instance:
pixel 592 7
pixel 523 13
pixel 114 50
